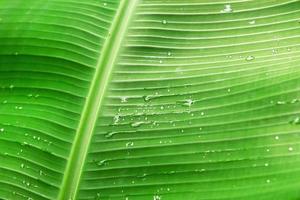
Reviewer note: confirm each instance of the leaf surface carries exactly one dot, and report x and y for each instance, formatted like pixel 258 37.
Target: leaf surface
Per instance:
pixel 149 99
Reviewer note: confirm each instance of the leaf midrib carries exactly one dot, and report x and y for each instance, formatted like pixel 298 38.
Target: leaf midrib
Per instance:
pixel 111 47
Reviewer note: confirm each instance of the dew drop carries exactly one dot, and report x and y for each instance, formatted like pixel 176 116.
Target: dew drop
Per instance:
pixel 137 124
pixel 22 165
pixel 101 162
pixel 274 51
pixel 1 129
pixel 156 197
pixel 149 97
pixel 97 196
pixel 11 86
pixel 116 119
pixel 251 22
pixel 110 134
pixel 290 148
pixel 169 53
pixel 18 107
pixel 142 175
pixel 129 144
pixel 276 137
pixel 164 21
pixel 188 102
pixel 280 102
pixel 124 99
pixel 250 58
pixel 295 121
pixel 227 9
pixel 268 180
pixel 294 101
pixel 4 102
pixel 200 170
pixel 266 164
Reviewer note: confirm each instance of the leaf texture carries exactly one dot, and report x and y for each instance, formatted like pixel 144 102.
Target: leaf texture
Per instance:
pixel 198 99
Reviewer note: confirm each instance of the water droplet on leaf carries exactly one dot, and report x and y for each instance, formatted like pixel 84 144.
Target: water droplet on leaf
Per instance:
pixel 280 102
pixel 266 164
pixel 295 121
pixel 250 58
pixel 116 119
pixel 227 9
pixel 188 102
pixel 137 124
pixel 294 101
pixel 129 144
pixel 101 162
pixel 156 197
pixel 124 99
pixel 110 134
pixel 252 22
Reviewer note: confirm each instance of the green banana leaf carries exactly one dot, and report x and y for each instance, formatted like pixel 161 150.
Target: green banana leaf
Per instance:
pixel 150 99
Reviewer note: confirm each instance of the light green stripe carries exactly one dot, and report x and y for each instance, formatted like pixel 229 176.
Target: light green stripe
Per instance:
pixel 94 100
